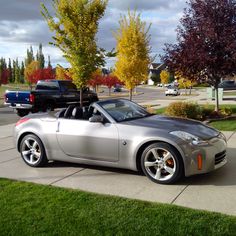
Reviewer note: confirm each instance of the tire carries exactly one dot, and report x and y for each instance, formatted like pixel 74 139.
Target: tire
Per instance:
pixel 161 163
pixel 32 151
pixel 22 112
pixel 48 107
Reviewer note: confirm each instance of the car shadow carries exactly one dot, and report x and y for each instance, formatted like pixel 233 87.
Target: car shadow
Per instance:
pixel 59 164
pixel 225 176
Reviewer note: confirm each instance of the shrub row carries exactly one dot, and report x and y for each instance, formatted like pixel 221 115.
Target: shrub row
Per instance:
pixel 195 111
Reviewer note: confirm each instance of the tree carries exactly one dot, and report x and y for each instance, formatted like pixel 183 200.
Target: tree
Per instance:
pixel 75 25
pixel 110 81
pixel 40 57
pixel 206 42
pixel 62 73
pixel 132 51
pixel 17 72
pixel 96 79
pixel 29 56
pixel 164 77
pixel 10 71
pixel 29 73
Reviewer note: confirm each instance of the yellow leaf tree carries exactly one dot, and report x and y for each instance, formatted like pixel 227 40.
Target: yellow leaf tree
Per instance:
pixel 75 24
pixel 29 70
pixel 132 51
pixel 165 75
pixel 184 82
pixel 62 73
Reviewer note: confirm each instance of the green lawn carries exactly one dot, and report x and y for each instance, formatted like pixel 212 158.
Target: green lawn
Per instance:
pixel 30 209
pixel 224 125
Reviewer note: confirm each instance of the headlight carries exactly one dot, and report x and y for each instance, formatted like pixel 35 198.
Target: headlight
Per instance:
pixel 188 137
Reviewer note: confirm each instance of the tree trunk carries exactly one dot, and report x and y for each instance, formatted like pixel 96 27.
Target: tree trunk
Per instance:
pixel 216 99
pixel 81 97
pixel 130 94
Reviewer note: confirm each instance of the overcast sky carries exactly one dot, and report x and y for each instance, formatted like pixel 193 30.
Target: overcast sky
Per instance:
pixel 21 25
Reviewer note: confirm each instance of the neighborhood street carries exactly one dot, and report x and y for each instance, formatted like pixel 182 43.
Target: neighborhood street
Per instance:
pixel 215 191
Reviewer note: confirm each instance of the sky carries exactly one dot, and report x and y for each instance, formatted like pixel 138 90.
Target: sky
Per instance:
pixel 22 26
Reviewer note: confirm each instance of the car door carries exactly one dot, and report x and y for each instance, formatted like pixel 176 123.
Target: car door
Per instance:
pixel 88 140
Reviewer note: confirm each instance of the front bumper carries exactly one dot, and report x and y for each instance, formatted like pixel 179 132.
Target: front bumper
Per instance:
pixel 213 156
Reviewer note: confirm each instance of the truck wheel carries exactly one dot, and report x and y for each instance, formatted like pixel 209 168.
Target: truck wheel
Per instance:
pixel 48 107
pixel 22 112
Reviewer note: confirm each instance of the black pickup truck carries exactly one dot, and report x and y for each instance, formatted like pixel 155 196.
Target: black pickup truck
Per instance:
pixel 48 94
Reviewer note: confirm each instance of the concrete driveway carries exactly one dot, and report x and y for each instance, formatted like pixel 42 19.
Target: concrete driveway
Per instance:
pixel 215 191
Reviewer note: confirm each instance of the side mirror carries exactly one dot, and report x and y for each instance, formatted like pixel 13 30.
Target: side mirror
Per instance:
pixel 96 119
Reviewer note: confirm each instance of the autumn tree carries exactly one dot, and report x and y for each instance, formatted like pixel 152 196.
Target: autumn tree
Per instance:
pixel 29 56
pixel 110 81
pixel 40 57
pixel 164 75
pixel 132 51
pixel 62 73
pixel 75 25
pixel 29 71
pixel 206 42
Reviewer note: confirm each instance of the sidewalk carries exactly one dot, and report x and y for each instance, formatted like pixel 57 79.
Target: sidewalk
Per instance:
pixel 200 98
pixel 215 191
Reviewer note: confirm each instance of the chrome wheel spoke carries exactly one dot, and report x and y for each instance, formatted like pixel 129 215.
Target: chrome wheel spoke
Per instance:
pixel 155 154
pixel 27 143
pixel 169 170
pixel 37 154
pixel 34 145
pixel 158 174
pixel 167 156
pixel 26 153
pixel 149 163
pixel 31 158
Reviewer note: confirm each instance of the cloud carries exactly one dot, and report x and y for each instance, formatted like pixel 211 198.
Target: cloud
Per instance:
pixel 22 25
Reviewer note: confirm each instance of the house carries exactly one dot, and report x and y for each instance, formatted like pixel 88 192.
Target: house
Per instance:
pixel 155 71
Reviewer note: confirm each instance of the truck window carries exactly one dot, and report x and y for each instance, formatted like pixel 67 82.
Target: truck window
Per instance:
pixel 47 85
pixel 67 85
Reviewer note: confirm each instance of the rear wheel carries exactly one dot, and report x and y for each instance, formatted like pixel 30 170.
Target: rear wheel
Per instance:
pixel 32 151
pixel 22 112
pixel 48 107
pixel 161 163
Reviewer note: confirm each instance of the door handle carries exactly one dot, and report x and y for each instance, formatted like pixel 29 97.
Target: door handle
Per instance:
pixel 58 127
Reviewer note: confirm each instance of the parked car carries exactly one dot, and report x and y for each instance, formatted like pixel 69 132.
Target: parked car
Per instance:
pixel 117 88
pixel 228 85
pixel 172 91
pixel 119 133
pixel 48 94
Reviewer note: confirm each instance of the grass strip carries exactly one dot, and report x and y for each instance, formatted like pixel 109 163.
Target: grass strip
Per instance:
pixel 224 125
pixel 31 209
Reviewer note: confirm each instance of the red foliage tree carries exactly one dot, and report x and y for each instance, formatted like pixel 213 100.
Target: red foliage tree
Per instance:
pixel 42 74
pixel 110 81
pixel 5 76
pixel 206 42
pixel 95 81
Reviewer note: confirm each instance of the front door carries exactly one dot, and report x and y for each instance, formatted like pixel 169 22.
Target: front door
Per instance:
pixel 87 140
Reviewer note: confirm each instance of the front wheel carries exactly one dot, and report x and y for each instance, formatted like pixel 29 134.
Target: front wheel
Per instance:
pixel 32 151
pixel 161 163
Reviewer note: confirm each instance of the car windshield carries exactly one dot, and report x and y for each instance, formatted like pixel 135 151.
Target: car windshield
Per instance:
pixel 123 110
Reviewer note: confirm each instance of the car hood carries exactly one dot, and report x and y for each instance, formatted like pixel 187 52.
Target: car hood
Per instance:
pixel 176 124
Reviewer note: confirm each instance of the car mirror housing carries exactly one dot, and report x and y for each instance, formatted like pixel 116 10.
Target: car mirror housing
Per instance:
pixel 96 119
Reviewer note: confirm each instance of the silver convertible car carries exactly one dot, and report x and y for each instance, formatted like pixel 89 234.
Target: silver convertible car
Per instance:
pixel 120 133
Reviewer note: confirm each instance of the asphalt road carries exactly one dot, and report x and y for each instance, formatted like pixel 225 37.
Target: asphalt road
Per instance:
pixel 8 116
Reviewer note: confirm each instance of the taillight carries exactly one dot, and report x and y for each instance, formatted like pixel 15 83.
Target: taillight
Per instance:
pixel 21 121
pixel 31 98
